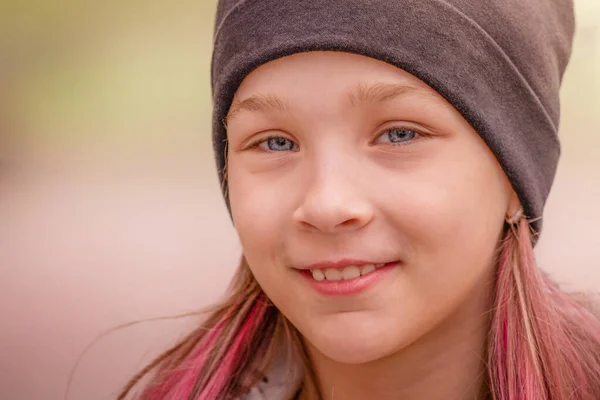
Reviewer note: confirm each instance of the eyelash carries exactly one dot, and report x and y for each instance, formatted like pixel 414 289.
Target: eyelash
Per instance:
pixel 420 135
pixel 255 144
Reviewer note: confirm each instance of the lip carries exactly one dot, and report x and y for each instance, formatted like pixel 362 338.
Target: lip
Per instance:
pixel 340 264
pixel 350 286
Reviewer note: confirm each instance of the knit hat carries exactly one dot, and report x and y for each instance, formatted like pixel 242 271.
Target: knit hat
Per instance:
pixel 498 62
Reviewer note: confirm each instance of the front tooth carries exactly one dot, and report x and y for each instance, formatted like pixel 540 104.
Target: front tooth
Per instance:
pixel 350 272
pixel 367 268
pixel 379 265
pixel 333 274
pixel 317 274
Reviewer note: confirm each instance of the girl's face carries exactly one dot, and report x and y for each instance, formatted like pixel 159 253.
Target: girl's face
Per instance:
pixel 337 162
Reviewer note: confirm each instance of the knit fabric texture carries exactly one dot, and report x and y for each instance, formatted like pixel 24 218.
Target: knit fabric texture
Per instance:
pixel 498 62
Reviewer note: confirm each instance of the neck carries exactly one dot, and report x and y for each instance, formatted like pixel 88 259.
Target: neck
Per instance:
pixel 447 363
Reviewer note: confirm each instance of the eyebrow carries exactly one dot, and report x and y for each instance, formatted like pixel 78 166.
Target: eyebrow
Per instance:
pixel 381 92
pixel 258 103
pixel 361 93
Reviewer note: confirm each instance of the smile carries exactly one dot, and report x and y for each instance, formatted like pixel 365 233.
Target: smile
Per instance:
pixel 346 277
pixel 343 274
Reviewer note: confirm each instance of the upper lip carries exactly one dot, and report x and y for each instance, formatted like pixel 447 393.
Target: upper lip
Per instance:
pixel 346 262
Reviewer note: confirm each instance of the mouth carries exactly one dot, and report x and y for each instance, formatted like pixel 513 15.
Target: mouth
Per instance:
pixel 344 274
pixel 346 278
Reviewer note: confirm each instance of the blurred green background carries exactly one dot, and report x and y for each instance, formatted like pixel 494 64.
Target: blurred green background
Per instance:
pixel 110 210
pixel 130 75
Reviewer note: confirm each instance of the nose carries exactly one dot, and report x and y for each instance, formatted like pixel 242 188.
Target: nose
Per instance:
pixel 334 201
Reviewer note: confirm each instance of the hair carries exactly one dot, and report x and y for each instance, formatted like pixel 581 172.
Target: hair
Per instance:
pixel 542 344
pixel 227 354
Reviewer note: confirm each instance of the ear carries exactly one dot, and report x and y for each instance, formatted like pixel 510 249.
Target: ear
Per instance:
pixel 514 205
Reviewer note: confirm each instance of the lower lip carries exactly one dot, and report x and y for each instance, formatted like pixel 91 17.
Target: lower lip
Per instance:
pixel 350 286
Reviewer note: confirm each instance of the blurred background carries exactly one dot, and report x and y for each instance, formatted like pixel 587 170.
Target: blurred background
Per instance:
pixel 110 208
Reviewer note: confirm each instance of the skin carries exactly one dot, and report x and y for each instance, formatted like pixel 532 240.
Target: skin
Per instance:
pixel 343 181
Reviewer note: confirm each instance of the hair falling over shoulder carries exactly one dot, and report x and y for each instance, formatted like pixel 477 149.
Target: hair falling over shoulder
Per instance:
pixel 543 344
pixel 223 357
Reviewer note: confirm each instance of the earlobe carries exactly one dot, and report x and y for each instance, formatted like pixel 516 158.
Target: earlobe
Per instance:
pixel 515 210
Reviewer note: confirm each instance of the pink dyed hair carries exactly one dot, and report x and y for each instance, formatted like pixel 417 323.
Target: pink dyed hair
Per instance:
pixel 226 355
pixel 542 343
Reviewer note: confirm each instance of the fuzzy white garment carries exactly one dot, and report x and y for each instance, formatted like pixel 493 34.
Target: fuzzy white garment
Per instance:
pixel 280 383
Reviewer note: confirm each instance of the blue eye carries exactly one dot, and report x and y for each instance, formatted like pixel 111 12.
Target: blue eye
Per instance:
pixel 397 135
pixel 278 143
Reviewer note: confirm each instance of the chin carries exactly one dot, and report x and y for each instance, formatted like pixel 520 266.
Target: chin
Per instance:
pixel 356 344
pixel 352 351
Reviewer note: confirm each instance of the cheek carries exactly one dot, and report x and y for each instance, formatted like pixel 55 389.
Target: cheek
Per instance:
pixel 261 217
pixel 451 212
pixel 257 206
pixel 458 194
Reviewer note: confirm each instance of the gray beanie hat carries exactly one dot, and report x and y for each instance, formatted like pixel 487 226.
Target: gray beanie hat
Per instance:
pixel 498 62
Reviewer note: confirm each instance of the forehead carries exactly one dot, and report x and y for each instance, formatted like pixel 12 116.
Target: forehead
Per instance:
pixel 324 67
pixel 326 76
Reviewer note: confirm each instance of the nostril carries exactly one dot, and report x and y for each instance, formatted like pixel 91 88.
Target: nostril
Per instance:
pixel 349 223
pixel 332 225
pixel 333 213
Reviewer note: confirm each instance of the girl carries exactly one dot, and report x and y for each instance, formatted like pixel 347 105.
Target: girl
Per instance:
pixel 386 165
